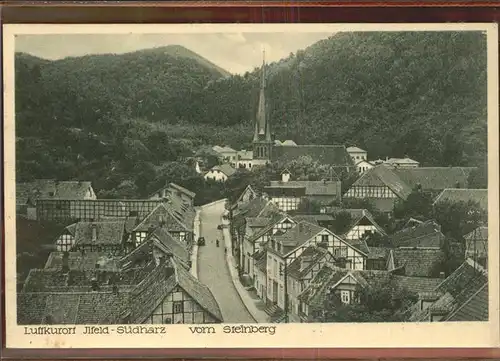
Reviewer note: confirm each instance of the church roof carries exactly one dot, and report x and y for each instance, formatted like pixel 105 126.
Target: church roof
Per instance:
pixel 334 155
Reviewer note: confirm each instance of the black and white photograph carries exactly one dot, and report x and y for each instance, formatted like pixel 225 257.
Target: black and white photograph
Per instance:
pixel 255 179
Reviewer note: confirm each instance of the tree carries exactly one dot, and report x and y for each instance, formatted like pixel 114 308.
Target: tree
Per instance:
pixel 459 218
pixel 376 239
pixel 417 204
pixel 309 206
pixel 383 300
pixel 341 222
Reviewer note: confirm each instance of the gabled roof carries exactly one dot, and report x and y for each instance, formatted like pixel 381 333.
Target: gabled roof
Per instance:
pixel 178 250
pixel 402 180
pixel 357 215
pixel 225 168
pixel 248 188
pixel 299 234
pixel 378 253
pixel 425 235
pixel 270 222
pixel 51 189
pixel 474 309
pixel 334 155
pixel 182 190
pixel 288 142
pixel 199 292
pixel 83 262
pixel 162 215
pixel 312 188
pixel 107 233
pixel 480 233
pixel 418 262
pixel 224 149
pixel 401 161
pixel 464 195
pixel 355 150
pixel 297 269
pixel 459 291
pixel 130 222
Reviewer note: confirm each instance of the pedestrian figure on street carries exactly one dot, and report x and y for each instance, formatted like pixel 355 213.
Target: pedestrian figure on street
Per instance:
pixel 217 242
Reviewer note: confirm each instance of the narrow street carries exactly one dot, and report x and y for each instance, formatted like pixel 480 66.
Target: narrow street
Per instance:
pixel 213 270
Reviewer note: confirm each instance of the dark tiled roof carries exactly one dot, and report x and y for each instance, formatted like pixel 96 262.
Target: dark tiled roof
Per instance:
pixel 130 221
pixel 434 178
pixel 464 195
pixel 107 233
pixel 225 168
pixel 51 189
pixel 313 218
pixel 171 244
pixel 418 284
pixel 299 234
pixel 424 235
pixel 261 261
pixel 326 276
pixel 182 189
pixel 298 269
pixel 456 291
pixel 162 215
pixel 83 262
pixel 378 252
pixel 418 262
pixel 258 222
pixel 402 180
pixel 474 309
pixel 357 215
pixel 199 292
pixel 312 188
pixel 385 205
pixel 335 155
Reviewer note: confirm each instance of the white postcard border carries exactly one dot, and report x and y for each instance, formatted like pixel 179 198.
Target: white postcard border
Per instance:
pixel 460 334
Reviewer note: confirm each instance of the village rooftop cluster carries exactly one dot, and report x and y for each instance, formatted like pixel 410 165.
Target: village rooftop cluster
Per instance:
pixel 136 261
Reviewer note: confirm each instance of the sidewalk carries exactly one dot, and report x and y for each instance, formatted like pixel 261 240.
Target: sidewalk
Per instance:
pixel 196 234
pixel 249 302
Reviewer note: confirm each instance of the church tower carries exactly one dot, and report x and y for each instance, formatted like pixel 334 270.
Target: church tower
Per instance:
pixel 262 139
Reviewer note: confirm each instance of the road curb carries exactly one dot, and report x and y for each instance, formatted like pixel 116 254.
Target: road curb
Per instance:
pixel 242 293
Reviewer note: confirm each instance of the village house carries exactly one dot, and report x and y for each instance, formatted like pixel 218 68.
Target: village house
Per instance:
pixel 179 225
pixel 425 262
pixel 455 195
pixel 360 223
pixel 300 273
pixel 476 243
pixel 422 235
pixel 402 162
pixel 357 154
pixel 363 166
pixel 220 173
pixel 28 193
pixel 244 159
pixel 227 154
pixel 462 296
pixel 256 208
pixel 287 194
pixel 246 196
pixel 342 287
pixel 385 185
pixel 175 192
pixel 284 248
pixel 139 290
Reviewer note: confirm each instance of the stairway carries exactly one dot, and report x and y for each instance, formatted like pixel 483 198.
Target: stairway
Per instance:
pixel 272 309
pixel 275 313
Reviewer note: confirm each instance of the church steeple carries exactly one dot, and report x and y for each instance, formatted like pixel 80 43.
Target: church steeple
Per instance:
pixel 262 138
pixel 262 126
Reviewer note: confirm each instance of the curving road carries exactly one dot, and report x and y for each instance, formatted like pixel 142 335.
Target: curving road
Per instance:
pixel 213 270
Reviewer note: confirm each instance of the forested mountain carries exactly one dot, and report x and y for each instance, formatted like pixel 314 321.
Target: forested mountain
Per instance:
pixel 106 117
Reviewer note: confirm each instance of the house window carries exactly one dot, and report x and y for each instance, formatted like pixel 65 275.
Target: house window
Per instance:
pixel 345 297
pixel 65 243
pixel 140 237
pixel 178 307
pixel 324 238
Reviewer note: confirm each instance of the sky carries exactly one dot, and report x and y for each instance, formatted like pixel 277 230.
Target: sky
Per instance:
pixel 234 52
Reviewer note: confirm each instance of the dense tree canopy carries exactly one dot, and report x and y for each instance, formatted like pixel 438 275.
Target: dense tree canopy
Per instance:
pixel 421 94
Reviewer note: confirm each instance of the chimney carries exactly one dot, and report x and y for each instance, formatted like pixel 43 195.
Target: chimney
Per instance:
pixel 94 284
pixel 94 232
pixel 442 275
pixel 65 262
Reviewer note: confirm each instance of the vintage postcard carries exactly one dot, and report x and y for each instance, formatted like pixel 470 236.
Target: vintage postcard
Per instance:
pixel 261 185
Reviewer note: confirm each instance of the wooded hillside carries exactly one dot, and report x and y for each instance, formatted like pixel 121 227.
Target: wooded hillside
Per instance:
pixel 109 117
